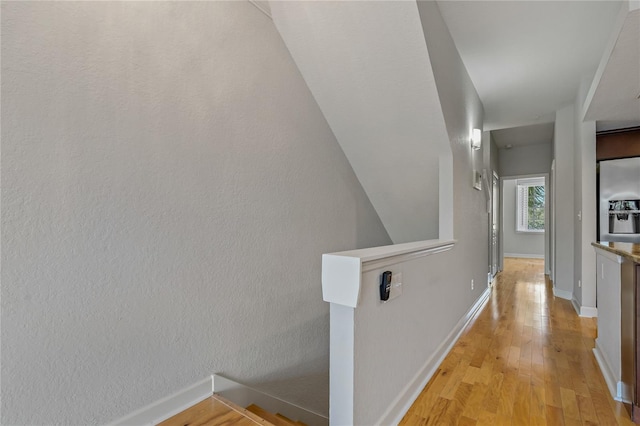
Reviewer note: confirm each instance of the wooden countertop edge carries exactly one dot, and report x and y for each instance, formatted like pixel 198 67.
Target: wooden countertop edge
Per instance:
pixel 619 252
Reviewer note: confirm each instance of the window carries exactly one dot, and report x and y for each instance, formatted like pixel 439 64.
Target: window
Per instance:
pixel 530 205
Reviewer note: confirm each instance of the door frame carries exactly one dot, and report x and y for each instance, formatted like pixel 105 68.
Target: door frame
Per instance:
pixel 494 214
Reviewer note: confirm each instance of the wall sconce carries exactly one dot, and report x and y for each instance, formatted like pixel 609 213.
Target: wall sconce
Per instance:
pixel 476 139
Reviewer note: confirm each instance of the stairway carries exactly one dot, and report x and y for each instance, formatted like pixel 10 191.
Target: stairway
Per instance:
pixel 277 419
pixel 218 411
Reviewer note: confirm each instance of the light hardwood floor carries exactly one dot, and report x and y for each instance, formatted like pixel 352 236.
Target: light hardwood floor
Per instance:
pixel 526 360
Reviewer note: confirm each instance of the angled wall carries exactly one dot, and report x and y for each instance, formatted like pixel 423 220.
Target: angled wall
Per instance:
pixel 368 68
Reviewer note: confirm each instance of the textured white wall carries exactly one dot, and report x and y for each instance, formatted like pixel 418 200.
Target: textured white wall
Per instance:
pixel 169 186
pixel 517 242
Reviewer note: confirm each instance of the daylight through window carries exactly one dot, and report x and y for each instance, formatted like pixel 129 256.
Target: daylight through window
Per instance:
pixel 530 205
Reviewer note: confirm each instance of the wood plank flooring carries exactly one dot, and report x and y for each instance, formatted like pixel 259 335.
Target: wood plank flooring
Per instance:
pixel 526 360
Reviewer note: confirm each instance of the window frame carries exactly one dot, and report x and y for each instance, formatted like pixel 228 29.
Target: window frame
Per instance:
pixel 522 187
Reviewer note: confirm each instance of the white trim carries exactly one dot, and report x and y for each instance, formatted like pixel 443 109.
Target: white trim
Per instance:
pixel 584 311
pixel 341 364
pixel 609 378
pixel 588 312
pixel 525 255
pixel 393 260
pixel 412 390
pixel 618 390
pixel 563 294
pixel 169 406
pixel 576 305
pixel 342 272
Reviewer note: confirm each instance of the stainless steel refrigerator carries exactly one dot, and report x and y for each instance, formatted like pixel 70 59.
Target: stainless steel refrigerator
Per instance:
pixel 620 200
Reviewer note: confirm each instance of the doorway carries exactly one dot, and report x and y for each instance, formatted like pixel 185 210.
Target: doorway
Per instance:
pixel 525 217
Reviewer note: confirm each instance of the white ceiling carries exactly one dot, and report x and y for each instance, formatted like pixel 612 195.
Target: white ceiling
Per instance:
pixel 527 58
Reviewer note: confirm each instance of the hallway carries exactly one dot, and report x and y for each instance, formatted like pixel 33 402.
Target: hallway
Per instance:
pixel 526 359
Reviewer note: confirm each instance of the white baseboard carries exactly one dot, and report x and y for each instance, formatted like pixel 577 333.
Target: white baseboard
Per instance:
pixel 588 312
pixel 624 393
pixel 525 255
pixel 618 390
pixel 576 306
pixel 169 406
pixel 563 294
pixel 584 311
pixel 410 393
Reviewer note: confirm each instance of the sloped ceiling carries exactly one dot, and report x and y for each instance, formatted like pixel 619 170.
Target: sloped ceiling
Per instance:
pixel 368 68
pixel 617 94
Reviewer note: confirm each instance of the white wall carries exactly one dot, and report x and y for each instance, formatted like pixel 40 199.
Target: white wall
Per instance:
pixel 518 243
pixel 389 358
pixel 367 65
pixel 608 345
pixel 585 212
pixel 366 340
pixel 563 140
pixel 525 160
pixel 462 111
pixel 169 186
pixel 494 157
